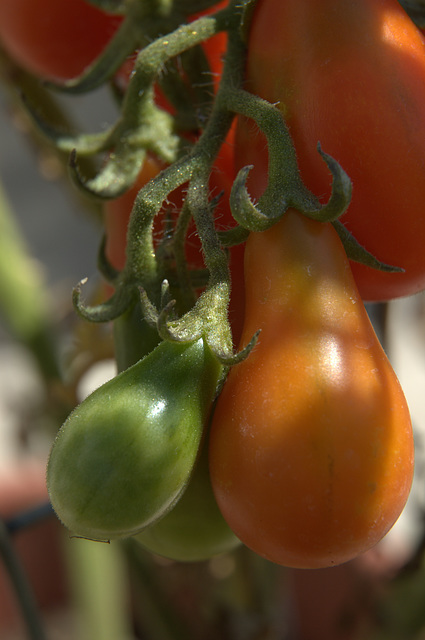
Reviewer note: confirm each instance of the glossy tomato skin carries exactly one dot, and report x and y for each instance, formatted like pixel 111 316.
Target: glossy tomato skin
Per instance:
pixel 125 455
pixel 350 75
pixel 311 448
pixel 194 529
pixel 55 39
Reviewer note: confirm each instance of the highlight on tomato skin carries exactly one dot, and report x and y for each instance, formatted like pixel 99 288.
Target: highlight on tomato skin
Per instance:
pixel 350 75
pixel 311 445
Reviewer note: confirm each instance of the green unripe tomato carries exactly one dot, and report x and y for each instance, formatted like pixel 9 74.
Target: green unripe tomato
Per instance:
pixel 125 454
pixel 194 528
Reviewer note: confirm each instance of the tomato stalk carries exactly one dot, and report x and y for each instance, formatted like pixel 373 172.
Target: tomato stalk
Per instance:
pixel 285 187
pixel 142 127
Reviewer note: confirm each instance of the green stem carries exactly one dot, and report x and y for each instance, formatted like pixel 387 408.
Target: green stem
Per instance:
pixel 284 186
pixel 141 265
pixel 188 298
pixel 20 584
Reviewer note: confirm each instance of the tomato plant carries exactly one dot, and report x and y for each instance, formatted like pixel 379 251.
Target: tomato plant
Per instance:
pixel 352 77
pixel 311 448
pixel 125 454
pixel 55 39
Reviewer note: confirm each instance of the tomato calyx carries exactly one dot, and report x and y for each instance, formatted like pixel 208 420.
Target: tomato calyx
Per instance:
pixel 285 187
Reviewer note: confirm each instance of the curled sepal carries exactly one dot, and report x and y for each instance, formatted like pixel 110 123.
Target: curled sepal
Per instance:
pixel 173 329
pixel 239 356
pixel 245 212
pixel 165 294
pixel 114 307
pixel 125 455
pixel 149 310
pixel 179 331
pixel 340 197
pixel 233 237
pixel 116 177
pixel 107 270
pixel 356 252
pixel 85 144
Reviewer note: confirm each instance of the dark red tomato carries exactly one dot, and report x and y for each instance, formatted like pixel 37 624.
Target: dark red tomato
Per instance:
pixel 350 75
pixel 55 39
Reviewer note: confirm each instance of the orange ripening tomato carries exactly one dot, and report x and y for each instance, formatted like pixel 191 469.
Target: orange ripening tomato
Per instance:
pixel 55 39
pixel 311 446
pixel 350 75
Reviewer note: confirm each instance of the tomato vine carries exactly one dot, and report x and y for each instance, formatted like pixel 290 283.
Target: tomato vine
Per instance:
pixel 178 308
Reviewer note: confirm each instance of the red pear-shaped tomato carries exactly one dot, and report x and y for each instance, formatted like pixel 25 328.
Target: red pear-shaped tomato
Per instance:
pixel 311 448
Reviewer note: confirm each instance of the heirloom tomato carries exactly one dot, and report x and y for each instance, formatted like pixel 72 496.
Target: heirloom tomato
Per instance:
pixel 350 75
pixel 311 447
pixel 55 39
pixel 194 529
pixel 124 456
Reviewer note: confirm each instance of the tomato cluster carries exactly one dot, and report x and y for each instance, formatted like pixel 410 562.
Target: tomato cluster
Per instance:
pixel 306 456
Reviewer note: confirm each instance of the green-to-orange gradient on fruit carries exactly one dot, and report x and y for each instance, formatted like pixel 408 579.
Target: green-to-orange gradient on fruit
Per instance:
pixel 311 447
pixel 350 75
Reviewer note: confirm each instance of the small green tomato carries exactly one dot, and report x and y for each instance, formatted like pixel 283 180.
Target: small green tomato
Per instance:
pixel 125 454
